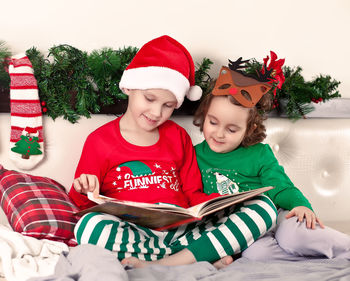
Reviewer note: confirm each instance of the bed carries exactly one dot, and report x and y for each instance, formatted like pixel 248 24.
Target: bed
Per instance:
pixel 315 153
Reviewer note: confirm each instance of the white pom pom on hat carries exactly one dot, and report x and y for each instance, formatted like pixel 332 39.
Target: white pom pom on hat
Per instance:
pixel 194 93
pixel 165 64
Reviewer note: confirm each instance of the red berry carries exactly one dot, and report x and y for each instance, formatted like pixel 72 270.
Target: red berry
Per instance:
pixel 44 109
pixel 43 103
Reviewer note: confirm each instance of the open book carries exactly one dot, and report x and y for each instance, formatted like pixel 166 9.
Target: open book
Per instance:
pixel 164 216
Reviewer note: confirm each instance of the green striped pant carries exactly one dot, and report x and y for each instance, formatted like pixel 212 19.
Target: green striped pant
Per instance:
pixel 227 232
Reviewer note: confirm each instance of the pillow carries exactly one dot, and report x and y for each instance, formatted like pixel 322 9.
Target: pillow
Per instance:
pixel 37 206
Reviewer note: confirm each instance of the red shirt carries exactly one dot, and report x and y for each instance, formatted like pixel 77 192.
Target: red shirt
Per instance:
pixel 164 172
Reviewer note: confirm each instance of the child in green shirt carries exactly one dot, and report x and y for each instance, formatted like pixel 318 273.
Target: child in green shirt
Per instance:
pixel 232 158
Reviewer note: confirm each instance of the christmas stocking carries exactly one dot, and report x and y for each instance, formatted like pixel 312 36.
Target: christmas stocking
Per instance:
pixel 26 142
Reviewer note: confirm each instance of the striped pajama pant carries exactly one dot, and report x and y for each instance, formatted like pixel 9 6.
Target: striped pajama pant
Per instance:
pixel 227 232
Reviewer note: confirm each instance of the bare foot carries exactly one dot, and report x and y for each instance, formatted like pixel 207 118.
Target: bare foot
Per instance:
pixel 135 262
pixel 223 262
pixel 185 256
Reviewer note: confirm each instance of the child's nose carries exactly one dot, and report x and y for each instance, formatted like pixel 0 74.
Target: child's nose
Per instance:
pixel 156 110
pixel 220 132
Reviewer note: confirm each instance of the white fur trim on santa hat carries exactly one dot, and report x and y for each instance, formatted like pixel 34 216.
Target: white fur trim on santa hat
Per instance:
pixel 156 77
pixel 25 132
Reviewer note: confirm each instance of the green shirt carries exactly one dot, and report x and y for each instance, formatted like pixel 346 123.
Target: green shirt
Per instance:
pixel 248 168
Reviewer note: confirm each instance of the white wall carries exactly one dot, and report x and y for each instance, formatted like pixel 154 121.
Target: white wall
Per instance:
pixel 311 33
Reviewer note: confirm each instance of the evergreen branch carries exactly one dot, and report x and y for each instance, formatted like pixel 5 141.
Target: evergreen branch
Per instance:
pixel 202 78
pixel 5 54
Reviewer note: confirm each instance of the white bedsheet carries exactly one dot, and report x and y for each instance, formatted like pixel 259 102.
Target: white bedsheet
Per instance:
pixel 22 257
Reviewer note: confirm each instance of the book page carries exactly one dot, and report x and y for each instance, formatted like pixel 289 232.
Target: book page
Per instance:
pixel 224 201
pixel 147 217
pixel 160 206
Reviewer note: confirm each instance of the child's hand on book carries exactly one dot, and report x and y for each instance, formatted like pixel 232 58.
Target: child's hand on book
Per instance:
pixel 303 212
pixel 86 183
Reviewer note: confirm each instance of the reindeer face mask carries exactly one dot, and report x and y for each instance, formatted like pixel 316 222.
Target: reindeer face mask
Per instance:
pixel 245 89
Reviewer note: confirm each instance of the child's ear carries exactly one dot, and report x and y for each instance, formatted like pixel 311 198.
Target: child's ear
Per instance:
pixel 125 91
pixel 252 129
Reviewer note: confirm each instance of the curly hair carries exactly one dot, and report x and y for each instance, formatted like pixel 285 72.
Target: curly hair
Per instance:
pixel 255 132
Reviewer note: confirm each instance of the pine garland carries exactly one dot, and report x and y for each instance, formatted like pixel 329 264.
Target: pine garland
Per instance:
pixel 106 66
pixel 73 83
pixel 64 84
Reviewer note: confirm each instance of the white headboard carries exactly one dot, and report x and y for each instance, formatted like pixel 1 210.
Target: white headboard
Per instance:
pixel 315 153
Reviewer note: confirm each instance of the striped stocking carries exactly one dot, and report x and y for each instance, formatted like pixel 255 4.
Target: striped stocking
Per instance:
pixel 26 142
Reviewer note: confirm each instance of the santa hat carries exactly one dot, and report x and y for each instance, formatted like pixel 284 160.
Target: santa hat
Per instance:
pixel 163 63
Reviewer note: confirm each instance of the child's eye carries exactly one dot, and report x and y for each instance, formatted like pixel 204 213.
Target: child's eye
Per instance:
pixel 232 131
pixel 169 105
pixel 212 122
pixel 149 99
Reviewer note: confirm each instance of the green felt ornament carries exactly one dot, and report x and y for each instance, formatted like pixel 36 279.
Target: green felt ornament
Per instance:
pixel 27 146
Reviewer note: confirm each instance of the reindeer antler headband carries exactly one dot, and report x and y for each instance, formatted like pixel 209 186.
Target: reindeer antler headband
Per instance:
pixel 246 89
